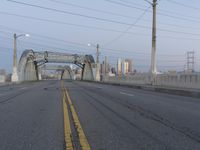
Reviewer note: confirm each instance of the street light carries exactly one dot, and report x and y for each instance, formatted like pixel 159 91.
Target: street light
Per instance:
pixel 97 61
pixel 14 74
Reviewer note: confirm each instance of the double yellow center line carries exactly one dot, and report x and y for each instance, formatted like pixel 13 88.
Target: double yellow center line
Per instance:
pixel 67 127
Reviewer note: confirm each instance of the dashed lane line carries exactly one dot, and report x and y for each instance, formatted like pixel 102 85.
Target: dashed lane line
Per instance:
pixel 128 94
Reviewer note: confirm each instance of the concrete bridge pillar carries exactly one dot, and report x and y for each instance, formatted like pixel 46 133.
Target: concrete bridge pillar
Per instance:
pixel 30 72
pixel 87 73
pixel 66 75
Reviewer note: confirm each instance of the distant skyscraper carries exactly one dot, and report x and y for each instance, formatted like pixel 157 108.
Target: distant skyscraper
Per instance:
pixel 129 65
pixel 125 67
pixel 119 66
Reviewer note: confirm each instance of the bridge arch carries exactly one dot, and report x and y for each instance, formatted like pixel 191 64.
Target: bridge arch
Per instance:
pixel 65 71
pixel 30 61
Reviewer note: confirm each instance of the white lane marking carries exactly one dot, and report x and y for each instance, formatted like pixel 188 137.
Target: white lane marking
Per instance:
pixel 23 88
pixel 99 87
pixel 123 93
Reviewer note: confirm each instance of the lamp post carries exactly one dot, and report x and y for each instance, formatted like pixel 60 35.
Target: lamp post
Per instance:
pixel 14 73
pixel 97 78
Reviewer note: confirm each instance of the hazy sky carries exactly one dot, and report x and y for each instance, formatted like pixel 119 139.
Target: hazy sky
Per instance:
pixel 68 25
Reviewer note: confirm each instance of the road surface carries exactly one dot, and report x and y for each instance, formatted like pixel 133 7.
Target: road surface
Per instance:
pixel 112 117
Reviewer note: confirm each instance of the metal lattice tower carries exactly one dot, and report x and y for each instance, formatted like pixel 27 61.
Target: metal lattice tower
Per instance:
pixel 190 61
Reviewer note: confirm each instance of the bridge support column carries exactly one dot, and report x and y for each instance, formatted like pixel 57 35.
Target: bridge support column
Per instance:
pixel 87 73
pixel 30 72
pixel 66 75
pixel 14 77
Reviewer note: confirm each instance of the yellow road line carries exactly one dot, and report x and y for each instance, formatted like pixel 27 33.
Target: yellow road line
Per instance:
pixel 82 138
pixel 67 127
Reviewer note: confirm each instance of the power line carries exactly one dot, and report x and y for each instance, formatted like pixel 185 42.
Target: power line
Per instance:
pixel 113 51
pixel 91 9
pixel 160 10
pixel 104 29
pixel 127 29
pixel 126 5
pixel 102 19
pixel 132 3
pixel 97 18
pixel 59 22
pixel 70 13
pixel 46 46
pixel 97 28
pixel 107 12
pixel 111 13
pixel 159 13
pixel 103 49
pixel 76 43
pixel 168 60
pixel 184 5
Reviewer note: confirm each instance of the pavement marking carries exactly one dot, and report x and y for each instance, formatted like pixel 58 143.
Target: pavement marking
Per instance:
pixel 99 87
pixel 23 88
pixel 128 94
pixel 67 127
pixel 82 138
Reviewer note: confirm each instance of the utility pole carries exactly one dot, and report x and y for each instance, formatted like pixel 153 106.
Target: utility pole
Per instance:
pixel 14 74
pixel 97 65
pixel 105 67
pixel 153 53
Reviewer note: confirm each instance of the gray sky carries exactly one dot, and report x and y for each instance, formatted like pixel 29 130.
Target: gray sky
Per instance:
pixel 74 23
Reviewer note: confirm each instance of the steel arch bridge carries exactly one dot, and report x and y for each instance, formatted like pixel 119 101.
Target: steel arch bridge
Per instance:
pixel 30 62
pixel 66 71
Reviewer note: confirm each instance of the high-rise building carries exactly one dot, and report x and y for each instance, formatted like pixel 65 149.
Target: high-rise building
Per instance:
pixel 130 65
pixel 119 66
pixel 124 66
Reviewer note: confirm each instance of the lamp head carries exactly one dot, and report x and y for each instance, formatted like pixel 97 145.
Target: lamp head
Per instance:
pixel 27 35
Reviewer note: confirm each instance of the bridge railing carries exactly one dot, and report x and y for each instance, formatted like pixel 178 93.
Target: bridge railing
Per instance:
pixel 184 80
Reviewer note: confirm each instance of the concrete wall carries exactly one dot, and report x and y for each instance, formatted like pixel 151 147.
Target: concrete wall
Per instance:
pixel 183 80
pixel 2 78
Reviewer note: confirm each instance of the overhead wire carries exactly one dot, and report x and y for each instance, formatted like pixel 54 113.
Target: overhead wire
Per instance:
pixel 104 29
pixel 159 13
pixel 84 45
pixel 94 17
pixel 184 5
pixel 113 51
pixel 91 9
pixel 116 14
pixel 127 29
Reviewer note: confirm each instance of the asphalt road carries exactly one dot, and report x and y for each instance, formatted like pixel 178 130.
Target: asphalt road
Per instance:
pixel 112 117
pixel 31 117
pixel 122 118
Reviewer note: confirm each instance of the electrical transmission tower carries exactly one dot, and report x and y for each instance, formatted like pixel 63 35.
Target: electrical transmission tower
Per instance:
pixel 190 61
